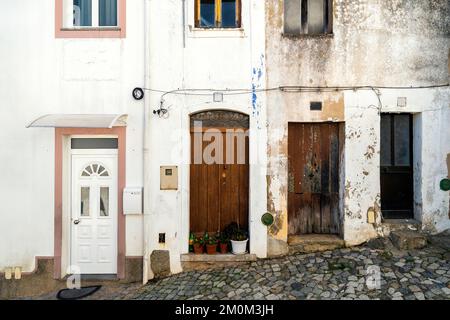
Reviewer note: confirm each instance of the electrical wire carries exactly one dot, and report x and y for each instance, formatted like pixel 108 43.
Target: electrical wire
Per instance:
pixel 163 111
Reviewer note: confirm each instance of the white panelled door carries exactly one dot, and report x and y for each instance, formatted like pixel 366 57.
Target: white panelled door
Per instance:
pixel 94 211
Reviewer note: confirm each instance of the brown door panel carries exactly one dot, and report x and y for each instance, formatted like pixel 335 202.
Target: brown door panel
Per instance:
pixel 219 192
pixel 313 167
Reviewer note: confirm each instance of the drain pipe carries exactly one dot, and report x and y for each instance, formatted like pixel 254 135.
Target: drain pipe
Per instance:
pixel 146 268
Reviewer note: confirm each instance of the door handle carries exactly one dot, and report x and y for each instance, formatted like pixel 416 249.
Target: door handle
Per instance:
pixel 76 221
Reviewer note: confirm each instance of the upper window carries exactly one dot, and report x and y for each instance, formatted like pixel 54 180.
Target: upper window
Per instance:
pixel 90 18
pixel 218 13
pixel 312 17
pixel 94 13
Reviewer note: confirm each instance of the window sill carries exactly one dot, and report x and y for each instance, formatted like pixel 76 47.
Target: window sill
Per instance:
pixel 90 32
pixel 91 29
pixel 308 36
pixel 195 32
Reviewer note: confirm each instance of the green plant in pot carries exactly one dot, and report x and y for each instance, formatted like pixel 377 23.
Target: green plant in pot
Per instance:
pixel 224 240
pixel 211 246
pixel 199 245
pixel 238 237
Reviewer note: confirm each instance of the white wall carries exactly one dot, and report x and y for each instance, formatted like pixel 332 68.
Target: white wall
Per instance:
pixel 40 74
pixel 216 59
pixel 431 108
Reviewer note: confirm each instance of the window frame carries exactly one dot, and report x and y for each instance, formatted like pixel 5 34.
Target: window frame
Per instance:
pixel 218 16
pixel 303 33
pixel 95 31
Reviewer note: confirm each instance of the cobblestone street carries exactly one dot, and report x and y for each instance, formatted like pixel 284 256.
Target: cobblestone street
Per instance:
pixel 339 274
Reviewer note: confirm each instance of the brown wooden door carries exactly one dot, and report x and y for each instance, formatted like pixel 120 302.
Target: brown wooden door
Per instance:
pixel 219 191
pixel 313 186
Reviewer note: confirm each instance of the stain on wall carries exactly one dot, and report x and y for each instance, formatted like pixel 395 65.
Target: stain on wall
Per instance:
pixel 448 165
pixel 374 42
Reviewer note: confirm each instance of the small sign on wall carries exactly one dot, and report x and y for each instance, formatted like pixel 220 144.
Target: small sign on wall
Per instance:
pixel 169 178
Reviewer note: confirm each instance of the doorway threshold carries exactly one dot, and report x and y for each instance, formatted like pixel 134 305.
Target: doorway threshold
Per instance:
pixel 191 257
pixel 309 243
pixel 391 225
pixel 99 277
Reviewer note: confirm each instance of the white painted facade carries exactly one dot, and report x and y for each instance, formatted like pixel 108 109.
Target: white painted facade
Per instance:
pixel 206 59
pixel 431 146
pixel 44 75
pixel 163 51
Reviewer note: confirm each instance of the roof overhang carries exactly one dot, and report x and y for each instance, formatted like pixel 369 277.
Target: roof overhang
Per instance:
pixel 79 121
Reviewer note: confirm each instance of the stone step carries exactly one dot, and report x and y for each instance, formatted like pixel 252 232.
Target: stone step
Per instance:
pixel 196 262
pixel 391 225
pixel 190 257
pixel 314 243
pixel 408 239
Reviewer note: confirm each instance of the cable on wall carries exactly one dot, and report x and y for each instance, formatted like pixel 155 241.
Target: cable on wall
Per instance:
pixel 162 110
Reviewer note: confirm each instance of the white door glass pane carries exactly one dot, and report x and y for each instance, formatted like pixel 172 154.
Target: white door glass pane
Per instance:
pixel 107 13
pixel 292 16
pixel 104 201
pixel 84 209
pixel 82 13
pixel 316 15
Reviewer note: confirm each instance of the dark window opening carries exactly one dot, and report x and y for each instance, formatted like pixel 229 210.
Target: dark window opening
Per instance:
pixel 94 143
pixel 312 17
pixel 396 157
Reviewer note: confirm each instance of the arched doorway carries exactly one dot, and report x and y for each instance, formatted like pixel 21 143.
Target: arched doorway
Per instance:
pixel 219 170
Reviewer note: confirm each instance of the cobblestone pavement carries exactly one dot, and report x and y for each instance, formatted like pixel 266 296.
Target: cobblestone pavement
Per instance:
pixel 340 274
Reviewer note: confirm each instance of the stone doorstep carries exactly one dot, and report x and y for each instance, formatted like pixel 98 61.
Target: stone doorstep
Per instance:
pixel 408 240
pixel 190 257
pixel 391 225
pixel 314 243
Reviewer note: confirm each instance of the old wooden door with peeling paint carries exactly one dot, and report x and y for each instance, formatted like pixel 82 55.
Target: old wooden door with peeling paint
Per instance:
pixel 313 180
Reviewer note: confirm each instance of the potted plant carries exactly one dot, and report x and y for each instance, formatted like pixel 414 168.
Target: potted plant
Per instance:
pixel 239 242
pixel 211 246
pixel 199 245
pixel 238 237
pixel 223 243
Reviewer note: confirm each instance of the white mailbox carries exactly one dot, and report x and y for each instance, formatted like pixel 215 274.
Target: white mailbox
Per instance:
pixel 132 201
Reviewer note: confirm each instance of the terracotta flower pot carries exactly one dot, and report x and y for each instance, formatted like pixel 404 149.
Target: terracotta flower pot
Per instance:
pixel 224 248
pixel 211 248
pixel 198 248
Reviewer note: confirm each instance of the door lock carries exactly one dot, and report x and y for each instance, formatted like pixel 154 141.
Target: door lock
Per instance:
pixel 76 221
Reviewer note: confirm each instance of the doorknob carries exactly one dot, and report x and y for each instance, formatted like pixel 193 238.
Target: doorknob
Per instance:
pixel 76 221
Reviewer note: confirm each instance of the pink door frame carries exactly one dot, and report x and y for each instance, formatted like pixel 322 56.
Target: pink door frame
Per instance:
pixel 120 132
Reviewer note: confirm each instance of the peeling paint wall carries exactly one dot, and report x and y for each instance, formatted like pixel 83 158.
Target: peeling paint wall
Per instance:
pixel 374 42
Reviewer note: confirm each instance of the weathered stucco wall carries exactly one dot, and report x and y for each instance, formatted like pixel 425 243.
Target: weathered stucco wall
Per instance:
pixel 374 42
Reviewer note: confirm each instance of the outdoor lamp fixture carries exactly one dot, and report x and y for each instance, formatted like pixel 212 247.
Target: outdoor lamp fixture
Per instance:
pixel 138 93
